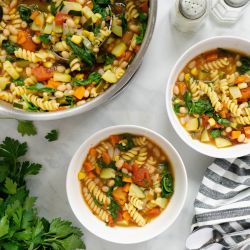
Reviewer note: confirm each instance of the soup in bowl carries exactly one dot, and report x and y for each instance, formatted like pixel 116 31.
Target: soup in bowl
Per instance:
pixel 125 180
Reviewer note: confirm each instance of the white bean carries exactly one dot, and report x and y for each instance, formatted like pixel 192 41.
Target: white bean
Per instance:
pixel 176 90
pixel 111 183
pixel 124 170
pixel 181 77
pixel 241 138
pixel 119 163
pixel 59 94
pixel 61 87
pixel 105 189
pixel 183 110
pixel 228 130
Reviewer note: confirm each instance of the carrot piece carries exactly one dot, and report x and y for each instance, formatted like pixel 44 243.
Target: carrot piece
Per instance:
pixel 126 56
pixel 205 119
pixel 224 113
pixel 126 187
pixel 182 87
pixel 212 56
pixel 98 170
pixel 53 84
pixel 91 175
pixel 42 74
pixel 240 79
pixel 114 139
pixel 153 212
pixel 88 166
pixel 79 92
pixel 245 94
pixel 106 157
pixel 34 15
pixel 235 134
pixel 111 222
pixel 247 131
pixel 127 37
pixel 127 179
pixel 93 151
pixel 126 216
pixel 21 37
pixel 120 196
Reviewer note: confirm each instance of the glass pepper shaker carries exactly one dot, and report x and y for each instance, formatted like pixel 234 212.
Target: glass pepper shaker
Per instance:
pixel 229 11
pixel 188 15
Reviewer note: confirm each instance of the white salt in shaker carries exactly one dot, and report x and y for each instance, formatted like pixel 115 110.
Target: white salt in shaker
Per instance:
pixel 188 15
pixel 229 11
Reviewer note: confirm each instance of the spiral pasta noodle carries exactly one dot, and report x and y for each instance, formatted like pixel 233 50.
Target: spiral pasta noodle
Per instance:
pixel 217 64
pixel 75 65
pixel 212 96
pixel 194 88
pixel 96 192
pixel 136 202
pixel 27 55
pixel 131 10
pixel 142 156
pixel 224 86
pixel 135 215
pixel 214 74
pixel 131 154
pixel 6 96
pixel 231 105
pixel 103 147
pixel 19 90
pixel 41 103
pixel 150 164
pixel 244 120
pixel 140 141
pixel 102 214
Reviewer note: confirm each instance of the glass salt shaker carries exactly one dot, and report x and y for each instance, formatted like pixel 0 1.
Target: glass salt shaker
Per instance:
pixel 229 11
pixel 188 15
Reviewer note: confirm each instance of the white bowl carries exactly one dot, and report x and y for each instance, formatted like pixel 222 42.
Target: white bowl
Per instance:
pixel 118 234
pixel 227 42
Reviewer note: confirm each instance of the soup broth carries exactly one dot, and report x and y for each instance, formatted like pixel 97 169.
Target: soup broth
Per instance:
pixel 126 180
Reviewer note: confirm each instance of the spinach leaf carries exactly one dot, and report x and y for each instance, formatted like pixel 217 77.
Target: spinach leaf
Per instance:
pixel 109 59
pixel 99 6
pixel 40 88
pixel 45 38
pixel 177 107
pixel 113 208
pixel 143 27
pixel 245 67
pixel 200 107
pixel 166 181
pixel 127 143
pixel 19 82
pixel 94 77
pixel 83 53
pixel 215 133
pixel 25 13
pixel 9 46
pixel 124 22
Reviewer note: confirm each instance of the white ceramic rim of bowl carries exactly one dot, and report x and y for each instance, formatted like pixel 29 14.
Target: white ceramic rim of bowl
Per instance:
pixel 125 235
pixel 227 42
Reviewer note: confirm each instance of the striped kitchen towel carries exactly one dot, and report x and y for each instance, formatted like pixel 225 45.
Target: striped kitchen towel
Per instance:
pixel 223 201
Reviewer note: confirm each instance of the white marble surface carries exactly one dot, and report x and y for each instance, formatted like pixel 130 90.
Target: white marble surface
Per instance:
pixel 142 104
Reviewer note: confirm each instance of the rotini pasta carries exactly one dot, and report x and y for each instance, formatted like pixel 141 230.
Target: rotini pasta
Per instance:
pixel 126 192
pixel 131 10
pixel 217 109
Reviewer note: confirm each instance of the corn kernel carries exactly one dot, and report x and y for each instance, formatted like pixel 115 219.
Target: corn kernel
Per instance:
pixel 81 176
pixel 117 158
pixel 76 19
pixel 76 39
pixel 79 76
pixel 187 77
pixel 211 122
pixel 194 72
pixel 48 64
pixel 50 19
pixel 67 71
pixel 234 125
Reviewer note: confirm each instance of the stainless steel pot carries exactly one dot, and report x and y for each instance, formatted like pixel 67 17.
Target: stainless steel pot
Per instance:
pixel 6 110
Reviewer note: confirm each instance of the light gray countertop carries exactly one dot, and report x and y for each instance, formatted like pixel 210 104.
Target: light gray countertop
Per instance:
pixel 142 103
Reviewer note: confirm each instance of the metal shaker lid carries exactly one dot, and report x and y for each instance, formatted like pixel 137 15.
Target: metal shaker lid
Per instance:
pixel 236 3
pixel 192 9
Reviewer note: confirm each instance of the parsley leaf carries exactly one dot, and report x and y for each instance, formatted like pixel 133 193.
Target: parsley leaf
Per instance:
pixel 52 135
pixel 126 144
pixel 19 82
pixel 113 208
pixel 25 13
pixel 245 65
pixel 10 186
pixel 177 107
pixel 26 128
pixel 9 46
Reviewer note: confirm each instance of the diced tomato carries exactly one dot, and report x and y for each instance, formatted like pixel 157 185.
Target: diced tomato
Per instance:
pixel 24 38
pixel 106 158
pixel 111 222
pixel 127 166
pixel 154 212
pixel 205 119
pixel 114 139
pixel 141 176
pixel 42 74
pixel 88 166
pixel 144 7
pixel 245 95
pixel 60 18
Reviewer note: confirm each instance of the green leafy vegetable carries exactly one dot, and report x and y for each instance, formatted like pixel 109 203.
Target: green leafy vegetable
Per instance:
pixel 25 13
pixel 9 46
pixel 20 225
pixel 215 133
pixel 177 107
pixel 221 121
pixel 45 38
pixel 40 88
pixel 10 59
pixel 200 107
pixel 143 27
pixel 109 59
pixel 26 128
pixel 83 53
pixel 52 135
pixel 167 184
pixel 113 208
pixel 245 65
pixel 94 77
pixel 19 82
pixel 126 144
pixel 124 22
pixel 97 202
pixel 99 6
